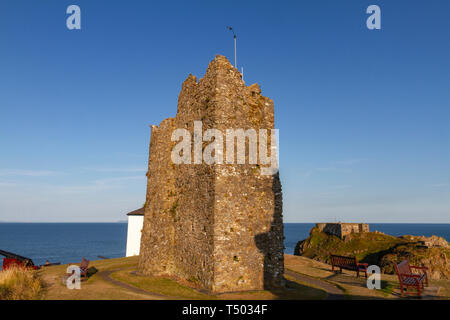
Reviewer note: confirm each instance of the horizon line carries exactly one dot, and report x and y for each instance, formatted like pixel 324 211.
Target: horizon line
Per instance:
pixel 126 221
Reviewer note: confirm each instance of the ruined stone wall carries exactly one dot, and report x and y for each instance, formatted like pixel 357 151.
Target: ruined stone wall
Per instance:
pixel 342 229
pixel 363 227
pixel 218 225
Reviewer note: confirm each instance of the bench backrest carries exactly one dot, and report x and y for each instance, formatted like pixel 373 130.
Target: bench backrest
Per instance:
pixel 402 268
pixel 84 264
pixel 343 261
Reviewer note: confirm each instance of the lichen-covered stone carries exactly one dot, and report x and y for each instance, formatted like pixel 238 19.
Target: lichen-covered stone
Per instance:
pixel 218 225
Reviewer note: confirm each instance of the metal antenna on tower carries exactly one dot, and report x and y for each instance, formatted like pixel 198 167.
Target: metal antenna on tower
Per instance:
pixel 235 55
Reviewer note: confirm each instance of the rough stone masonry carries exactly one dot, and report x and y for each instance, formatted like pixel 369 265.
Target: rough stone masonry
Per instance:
pixel 219 226
pixel 341 229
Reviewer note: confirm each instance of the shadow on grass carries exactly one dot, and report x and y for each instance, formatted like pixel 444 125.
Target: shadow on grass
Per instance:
pixel 91 271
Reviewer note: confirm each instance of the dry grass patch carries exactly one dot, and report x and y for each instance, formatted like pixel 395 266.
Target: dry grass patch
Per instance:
pixel 95 288
pixel 355 288
pixel 19 284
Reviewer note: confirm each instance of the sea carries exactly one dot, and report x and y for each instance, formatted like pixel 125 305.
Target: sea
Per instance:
pixel 69 242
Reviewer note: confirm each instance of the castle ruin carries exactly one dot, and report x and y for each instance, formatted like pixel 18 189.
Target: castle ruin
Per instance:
pixel 217 225
pixel 341 229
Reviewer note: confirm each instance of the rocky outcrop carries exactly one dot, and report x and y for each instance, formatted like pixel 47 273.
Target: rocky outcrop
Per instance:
pixel 380 249
pixel 437 260
pixel 430 242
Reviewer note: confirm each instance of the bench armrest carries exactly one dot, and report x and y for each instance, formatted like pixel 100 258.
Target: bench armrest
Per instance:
pixel 417 267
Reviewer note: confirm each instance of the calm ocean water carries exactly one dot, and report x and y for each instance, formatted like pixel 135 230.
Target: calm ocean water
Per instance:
pixel 69 242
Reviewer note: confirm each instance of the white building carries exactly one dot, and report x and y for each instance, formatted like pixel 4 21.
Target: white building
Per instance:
pixel 135 224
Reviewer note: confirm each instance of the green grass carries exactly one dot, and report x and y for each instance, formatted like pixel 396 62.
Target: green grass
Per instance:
pixel 294 289
pixel 387 287
pixel 159 285
pixel 365 246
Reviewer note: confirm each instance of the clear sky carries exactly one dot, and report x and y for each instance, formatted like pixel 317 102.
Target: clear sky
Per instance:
pixel 364 115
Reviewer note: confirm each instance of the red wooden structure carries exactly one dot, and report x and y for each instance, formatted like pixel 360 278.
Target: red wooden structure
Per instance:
pixel 408 278
pixel 11 262
pixel 14 260
pixel 84 268
pixel 348 263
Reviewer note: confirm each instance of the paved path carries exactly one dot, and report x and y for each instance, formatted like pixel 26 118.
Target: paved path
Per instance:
pixel 334 293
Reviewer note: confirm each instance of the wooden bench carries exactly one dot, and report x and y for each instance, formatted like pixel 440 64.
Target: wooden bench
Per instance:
pixel 408 278
pixel 348 263
pixel 84 268
pixel 84 265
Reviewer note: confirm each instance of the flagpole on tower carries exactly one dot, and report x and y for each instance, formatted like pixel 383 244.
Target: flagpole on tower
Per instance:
pixel 235 50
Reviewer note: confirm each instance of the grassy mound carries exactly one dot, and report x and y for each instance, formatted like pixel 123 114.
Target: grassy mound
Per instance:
pixel 19 284
pixel 376 248
pixel 368 247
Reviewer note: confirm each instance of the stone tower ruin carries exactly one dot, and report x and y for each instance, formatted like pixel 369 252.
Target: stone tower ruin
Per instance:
pixel 217 225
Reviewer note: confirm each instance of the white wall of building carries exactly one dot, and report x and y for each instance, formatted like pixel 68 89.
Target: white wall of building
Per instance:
pixel 135 224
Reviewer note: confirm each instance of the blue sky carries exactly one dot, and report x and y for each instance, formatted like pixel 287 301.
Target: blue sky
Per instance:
pixel 363 114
